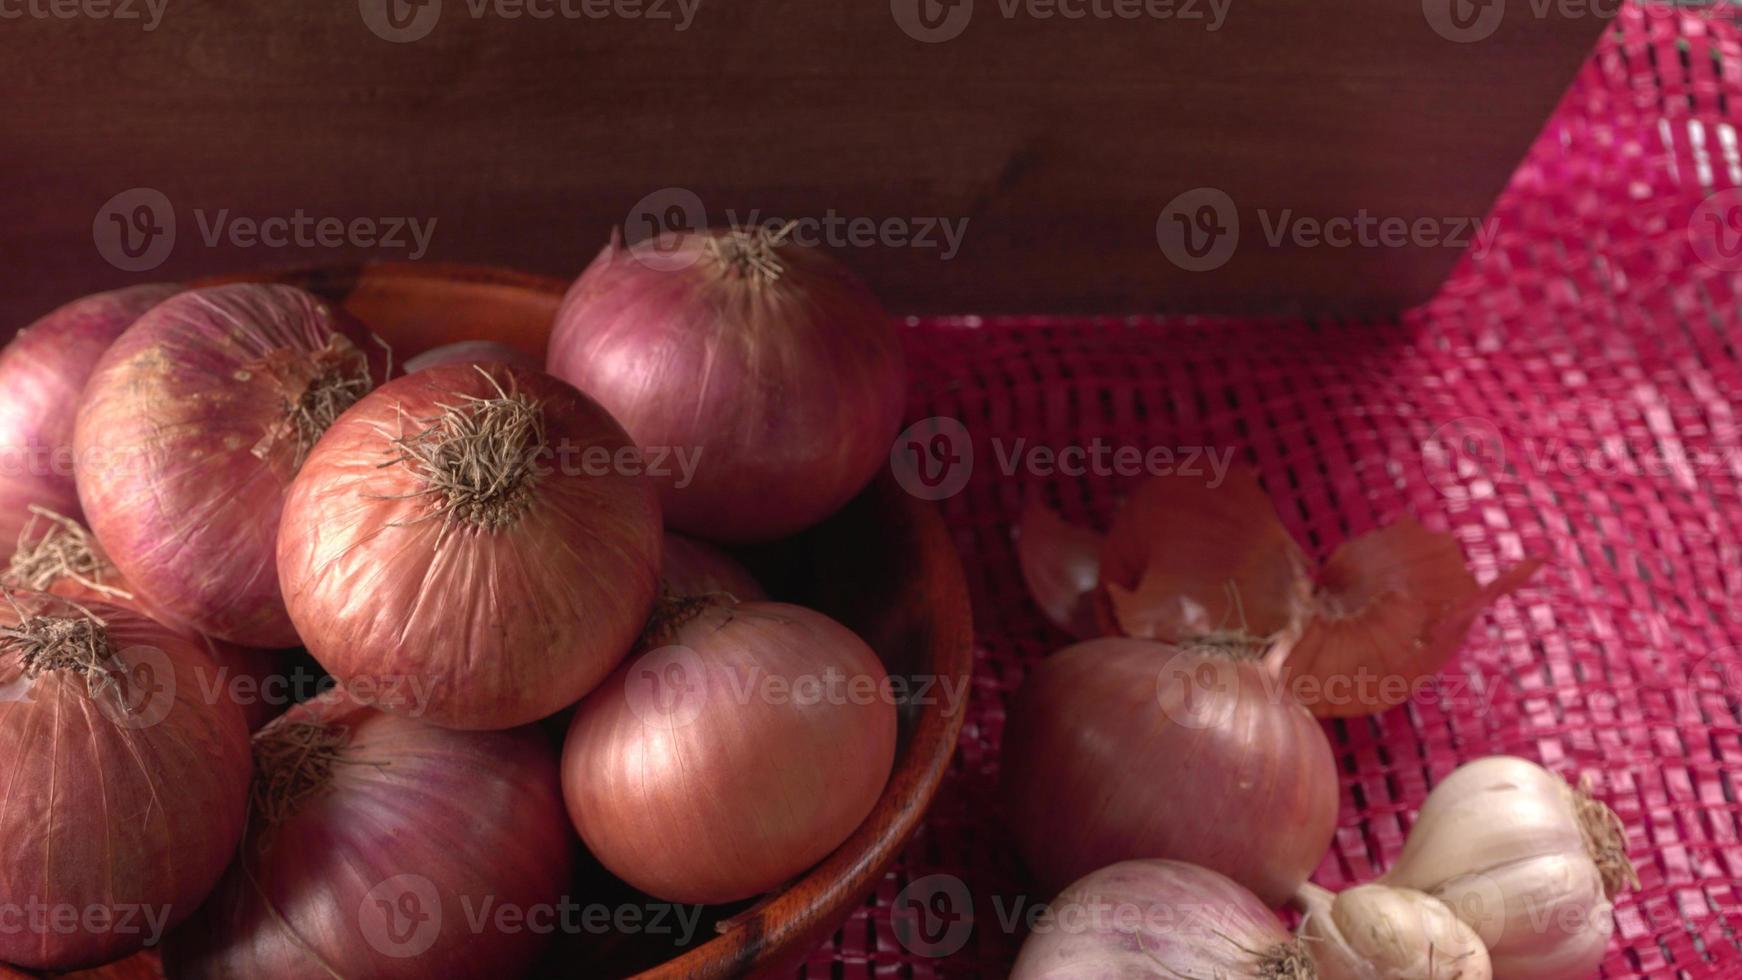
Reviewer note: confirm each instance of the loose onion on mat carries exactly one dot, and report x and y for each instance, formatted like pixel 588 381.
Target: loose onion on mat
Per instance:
pixel 473 352
pixel 766 368
pixel 473 544
pixel 126 789
pixel 1163 920
pixel 57 555
pixel 42 372
pixel 695 568
pixel 743 746
pixel 1118 749
pixel 191 430
pixel 382 847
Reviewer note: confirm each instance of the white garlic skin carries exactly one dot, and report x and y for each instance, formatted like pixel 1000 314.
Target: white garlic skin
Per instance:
pixel 1376 932
pixel 1500 843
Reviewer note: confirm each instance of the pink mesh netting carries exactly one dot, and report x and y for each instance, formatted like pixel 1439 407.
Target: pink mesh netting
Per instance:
pixel 1582 376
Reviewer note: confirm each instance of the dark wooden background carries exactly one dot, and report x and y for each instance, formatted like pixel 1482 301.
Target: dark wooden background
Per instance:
pixel 526 140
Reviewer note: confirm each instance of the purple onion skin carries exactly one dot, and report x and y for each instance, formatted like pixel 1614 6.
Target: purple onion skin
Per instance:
pixel 42 373
pixel 416 816
pixel 1152 919
pixel 791 390
pixel 186 448
pixel 113 806
pixel 473 352
pixel 695 568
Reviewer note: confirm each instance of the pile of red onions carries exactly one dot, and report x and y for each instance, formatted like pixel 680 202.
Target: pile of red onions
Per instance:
pixel 126 788
pixel 1121 748
pixel 743 745
pixel 473 544
pixel 383 847
pixel 765 368
pixel 191 429
pixel 1160 919
pixel 42 372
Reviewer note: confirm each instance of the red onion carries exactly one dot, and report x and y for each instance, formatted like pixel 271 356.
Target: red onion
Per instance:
pixel 473 352
pixel 126 790
pixel 57 555
pixel 473 545
pixel 770 360
pixel 382 847
pixel 692 568
pixel 1119 748
pixel 42 372
pixel 743 747
pixel 1159 919
pixel 190 432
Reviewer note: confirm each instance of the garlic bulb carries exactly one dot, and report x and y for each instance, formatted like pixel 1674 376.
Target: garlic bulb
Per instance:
pixel 1374 932
pixel 1526 861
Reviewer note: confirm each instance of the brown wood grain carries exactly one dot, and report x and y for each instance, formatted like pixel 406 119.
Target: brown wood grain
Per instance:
pixel 525 141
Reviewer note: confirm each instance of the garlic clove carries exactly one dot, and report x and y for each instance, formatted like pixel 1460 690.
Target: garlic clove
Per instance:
pixel 1541 918
pixel 1375 932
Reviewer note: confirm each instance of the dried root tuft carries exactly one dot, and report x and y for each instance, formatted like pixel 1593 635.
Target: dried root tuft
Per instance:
pixel 478 458
pixel 62 551
pixel 750 254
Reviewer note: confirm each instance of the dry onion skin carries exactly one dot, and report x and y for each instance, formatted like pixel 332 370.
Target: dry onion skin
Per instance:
pixel 695 568
pixel 1119 749
pixel 126 788
pixel 770 360
pixel 1165 920
pixel 382 847
pixel 473 544
pixel 742 746
pixel 191 430
pixel 43 370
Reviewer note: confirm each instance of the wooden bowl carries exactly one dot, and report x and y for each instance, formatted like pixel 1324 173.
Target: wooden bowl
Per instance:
pixel 885 566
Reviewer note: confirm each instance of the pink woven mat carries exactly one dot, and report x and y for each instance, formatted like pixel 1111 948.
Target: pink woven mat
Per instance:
pixel 1590 357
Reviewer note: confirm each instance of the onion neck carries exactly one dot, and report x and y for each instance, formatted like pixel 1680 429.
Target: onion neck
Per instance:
pixel 477 457
pixel 293 764
pixel 671 613
pixel 64 551
pixel 317 388
pixel 751 255
pixel 1605 840
pixel 73 644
